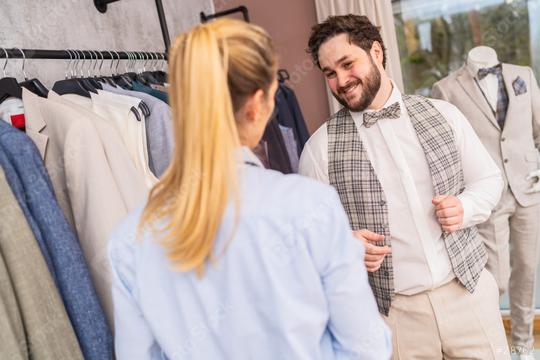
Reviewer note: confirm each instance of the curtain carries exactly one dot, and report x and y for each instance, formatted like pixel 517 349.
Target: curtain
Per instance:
pixel 380 13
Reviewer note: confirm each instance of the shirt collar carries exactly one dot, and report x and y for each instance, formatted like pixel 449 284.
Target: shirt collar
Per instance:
pixel 248 157
pixel 472 69
pixel 395 96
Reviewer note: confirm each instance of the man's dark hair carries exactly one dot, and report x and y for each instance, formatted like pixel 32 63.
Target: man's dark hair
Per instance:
pixel 360 30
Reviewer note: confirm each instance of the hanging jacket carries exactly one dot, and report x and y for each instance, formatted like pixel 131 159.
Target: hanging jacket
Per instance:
pixel 290 115
pixel 33 320
pixel 32 187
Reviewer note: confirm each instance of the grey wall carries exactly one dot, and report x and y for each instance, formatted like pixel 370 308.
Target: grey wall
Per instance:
pixel 76 24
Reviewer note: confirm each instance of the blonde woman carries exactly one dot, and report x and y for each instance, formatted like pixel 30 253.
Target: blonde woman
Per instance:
pixel 228 260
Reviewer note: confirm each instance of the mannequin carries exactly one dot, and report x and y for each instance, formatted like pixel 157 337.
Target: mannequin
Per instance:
pixel 482 57
pixel 510 142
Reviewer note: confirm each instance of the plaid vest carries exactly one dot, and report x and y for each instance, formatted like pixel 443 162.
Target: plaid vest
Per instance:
pixel 351 173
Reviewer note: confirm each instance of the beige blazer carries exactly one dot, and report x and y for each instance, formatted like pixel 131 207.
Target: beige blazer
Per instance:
pixel 133 189
pixel 514 149
pixel 91 175
pixel 33 321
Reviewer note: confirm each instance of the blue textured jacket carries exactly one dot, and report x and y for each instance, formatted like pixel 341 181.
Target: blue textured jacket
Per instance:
pixel 30 182
pixel 290 115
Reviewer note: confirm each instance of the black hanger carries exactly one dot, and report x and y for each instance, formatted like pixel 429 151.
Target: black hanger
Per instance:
pixel 123 80
pixel 132 75
pixel 34 85
pixel 283 75
pixel 98 80
pixel 160 75
pixel 70 85
pixel 88 82
pixel 147 77
pixel 109 79
pixel 141 79
pixel 138 75
pixel 242 9
pixel 144 108
pixel 9 87
pixel 137 115
pixel 89 85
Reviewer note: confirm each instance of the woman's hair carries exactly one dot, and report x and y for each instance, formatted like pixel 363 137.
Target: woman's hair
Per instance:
pixel 213 69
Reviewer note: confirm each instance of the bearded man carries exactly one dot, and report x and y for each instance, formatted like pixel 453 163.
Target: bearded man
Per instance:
pixel 414 180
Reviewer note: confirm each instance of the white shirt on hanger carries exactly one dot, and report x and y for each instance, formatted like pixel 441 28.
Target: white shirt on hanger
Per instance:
pixel 118 108
pixel 420 258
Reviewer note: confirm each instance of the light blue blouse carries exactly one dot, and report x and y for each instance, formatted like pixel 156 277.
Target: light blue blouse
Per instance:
pixel 291 284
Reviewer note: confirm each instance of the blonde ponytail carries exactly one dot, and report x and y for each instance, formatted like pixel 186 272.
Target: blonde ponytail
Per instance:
pixel 213 68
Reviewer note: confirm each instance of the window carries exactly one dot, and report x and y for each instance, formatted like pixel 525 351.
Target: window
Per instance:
pixel 434 36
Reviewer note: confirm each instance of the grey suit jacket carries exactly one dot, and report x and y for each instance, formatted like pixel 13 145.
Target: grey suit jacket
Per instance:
pixel 33 321
pixel 514 149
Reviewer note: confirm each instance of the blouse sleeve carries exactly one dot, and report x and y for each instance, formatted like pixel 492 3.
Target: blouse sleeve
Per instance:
pixel 133 337
pixel 357 329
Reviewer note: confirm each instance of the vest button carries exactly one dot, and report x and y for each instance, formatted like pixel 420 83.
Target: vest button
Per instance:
pixel 382 203
pixel 505 160
pixel 503 139
pixel 386 273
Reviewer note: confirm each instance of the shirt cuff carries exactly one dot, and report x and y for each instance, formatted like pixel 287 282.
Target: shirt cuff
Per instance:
pixel 468 207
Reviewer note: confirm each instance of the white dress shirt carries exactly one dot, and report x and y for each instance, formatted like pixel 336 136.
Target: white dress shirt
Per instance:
pixel 118 108
pixel 290 283
pixel 420 258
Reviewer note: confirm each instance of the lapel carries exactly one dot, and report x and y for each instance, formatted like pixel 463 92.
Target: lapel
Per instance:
pixel 468 84
pixel 35 124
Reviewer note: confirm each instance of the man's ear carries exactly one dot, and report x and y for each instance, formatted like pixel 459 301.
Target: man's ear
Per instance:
pixel 377 53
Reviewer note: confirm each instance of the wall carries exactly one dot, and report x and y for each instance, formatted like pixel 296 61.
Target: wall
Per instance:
pixel 76 24
pixel 289 23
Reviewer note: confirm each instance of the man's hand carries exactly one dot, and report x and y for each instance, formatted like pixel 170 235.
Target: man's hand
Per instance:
pixel 374 254
pixel 449 212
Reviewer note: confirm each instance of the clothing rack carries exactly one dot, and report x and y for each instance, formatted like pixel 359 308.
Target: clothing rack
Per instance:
pixel 81 54
pixel 242 9
pixel 101 5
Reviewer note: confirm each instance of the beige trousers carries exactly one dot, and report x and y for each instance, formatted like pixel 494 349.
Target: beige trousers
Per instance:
pixel 449 323
pixel 512 236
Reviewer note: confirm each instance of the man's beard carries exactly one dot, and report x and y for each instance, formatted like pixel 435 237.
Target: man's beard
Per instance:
pixel 370 87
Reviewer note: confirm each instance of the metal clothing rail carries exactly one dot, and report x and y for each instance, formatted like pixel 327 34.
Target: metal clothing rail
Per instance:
pixel 101 5
pixel 242 9
pixel 80 54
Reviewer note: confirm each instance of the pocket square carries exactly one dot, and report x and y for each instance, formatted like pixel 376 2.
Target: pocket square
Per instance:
pixel 519 86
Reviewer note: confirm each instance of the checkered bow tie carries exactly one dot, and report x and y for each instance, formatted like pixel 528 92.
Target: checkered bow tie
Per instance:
pixel 495 70
pixel 390 112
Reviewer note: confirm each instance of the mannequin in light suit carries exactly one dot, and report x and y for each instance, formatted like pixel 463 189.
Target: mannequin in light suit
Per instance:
pixel 512 141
